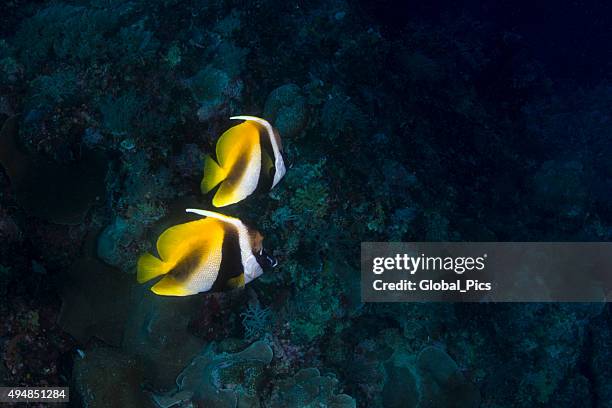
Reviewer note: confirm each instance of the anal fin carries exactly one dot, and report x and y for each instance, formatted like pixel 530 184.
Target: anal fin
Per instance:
pixel 169 286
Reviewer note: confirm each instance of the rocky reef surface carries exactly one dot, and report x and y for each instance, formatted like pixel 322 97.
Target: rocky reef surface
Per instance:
pixel 431 132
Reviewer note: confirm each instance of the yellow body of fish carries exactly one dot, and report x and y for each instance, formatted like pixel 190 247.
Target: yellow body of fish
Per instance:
pixel 248 155
pixel 191 257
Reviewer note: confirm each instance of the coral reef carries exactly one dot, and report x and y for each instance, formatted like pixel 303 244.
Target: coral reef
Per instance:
pixel 104 376
pixel 213 90
pixel 396 125
pixel 222 380
pixel 157 327
pixel 309 389
pixel 441 382
pixel 286 108
pixel 256 321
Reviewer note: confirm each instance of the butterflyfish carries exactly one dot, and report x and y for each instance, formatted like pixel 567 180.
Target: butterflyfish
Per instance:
pixel 213 254
pixel 248 158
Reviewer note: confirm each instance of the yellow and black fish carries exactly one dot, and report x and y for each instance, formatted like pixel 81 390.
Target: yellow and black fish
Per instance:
pixel 214 254
pixel 249 158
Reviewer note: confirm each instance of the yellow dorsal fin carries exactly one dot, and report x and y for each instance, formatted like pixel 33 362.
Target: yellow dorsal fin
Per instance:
pixel 176 242
pixel 234 142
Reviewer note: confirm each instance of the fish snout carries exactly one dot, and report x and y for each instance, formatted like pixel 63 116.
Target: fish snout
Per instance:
pixel 265 260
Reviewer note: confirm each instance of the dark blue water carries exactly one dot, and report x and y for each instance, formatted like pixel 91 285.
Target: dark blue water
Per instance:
pixel 400 121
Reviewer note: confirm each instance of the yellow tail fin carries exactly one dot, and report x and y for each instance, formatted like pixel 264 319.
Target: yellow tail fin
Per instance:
pixel 150 267
pixel 213 175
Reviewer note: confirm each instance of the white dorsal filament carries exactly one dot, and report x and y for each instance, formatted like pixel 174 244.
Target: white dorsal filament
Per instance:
pixel 212 214
pixel 279 164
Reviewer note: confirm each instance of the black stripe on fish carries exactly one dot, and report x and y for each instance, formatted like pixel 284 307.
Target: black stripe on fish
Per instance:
pixel 237 172
pixel 231 259
pixel 266 174
pixel 187 267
